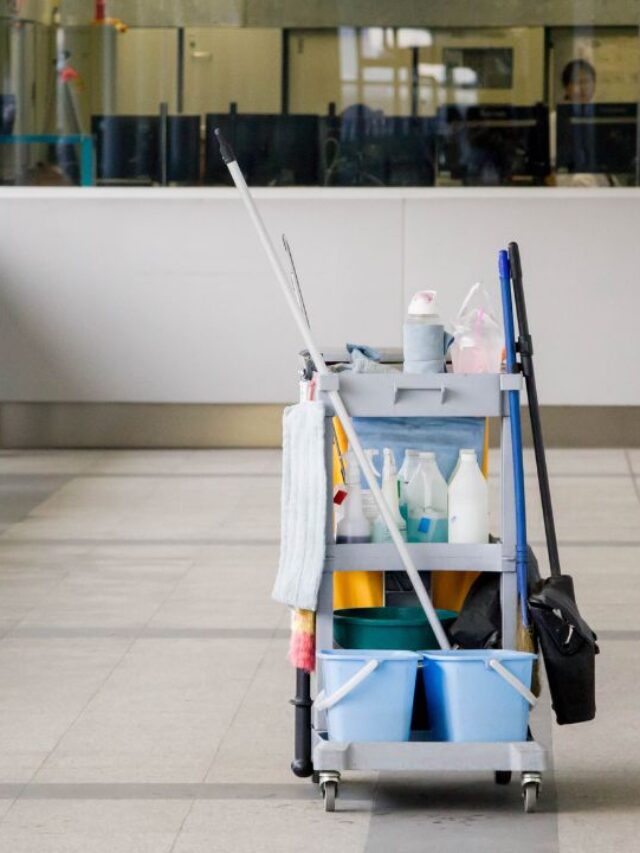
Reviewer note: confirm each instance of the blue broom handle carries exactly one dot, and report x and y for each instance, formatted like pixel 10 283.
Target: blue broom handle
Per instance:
pixel 516 436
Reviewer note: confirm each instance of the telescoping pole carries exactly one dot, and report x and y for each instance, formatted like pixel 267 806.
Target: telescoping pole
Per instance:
pixel 334 396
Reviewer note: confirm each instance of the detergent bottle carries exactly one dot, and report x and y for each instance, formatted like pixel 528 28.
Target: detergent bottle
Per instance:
pixel 427 506
pixel 368 503
pixel 468 502
pixel 390 493
pixel 406 472
pixel 353 527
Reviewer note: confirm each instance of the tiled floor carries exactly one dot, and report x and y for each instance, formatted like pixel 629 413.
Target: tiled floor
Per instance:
pixel 144 693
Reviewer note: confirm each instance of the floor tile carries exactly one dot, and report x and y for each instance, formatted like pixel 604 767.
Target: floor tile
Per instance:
pixel 85 825
pixel 634 459
pixel 61 462
pixel 285 826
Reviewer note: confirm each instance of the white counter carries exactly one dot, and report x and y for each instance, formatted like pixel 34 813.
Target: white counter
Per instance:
pixel 163 295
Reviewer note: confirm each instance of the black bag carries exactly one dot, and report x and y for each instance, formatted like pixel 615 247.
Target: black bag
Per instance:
pixel 479 623
pixel 568 647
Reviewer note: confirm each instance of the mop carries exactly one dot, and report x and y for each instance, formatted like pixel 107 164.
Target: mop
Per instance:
pixel 568 644
pixel 334 396
pixel 525 640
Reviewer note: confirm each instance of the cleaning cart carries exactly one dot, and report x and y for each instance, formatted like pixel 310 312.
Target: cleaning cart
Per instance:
pixel 399 395
pixel 383 746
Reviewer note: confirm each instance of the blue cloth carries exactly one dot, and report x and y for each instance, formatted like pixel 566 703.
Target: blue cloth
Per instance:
pixel 425 347
pixel 362 350
pixel 443 436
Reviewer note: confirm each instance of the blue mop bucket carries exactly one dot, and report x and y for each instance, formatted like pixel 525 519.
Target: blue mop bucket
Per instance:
pixel 368 695
pixel 478 695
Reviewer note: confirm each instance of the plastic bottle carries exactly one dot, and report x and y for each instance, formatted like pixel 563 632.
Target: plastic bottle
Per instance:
pixel 368 503
pixel 353 527
pixel 427 492
pixel 468 502
pixel 406 472
pixel 424 338
pixel 390 492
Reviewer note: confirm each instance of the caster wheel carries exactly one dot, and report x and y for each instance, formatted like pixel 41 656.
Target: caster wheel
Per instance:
pixel 502 777
pixel 530 797
pixel 330 792
pixel 315 777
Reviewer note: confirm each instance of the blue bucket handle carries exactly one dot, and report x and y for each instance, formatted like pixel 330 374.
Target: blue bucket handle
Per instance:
pixel 511 679
pixel 323 702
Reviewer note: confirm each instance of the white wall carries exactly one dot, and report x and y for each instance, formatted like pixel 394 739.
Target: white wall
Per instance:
pixel 164 295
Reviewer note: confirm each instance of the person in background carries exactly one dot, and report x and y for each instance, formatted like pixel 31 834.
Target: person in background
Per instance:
pixel 579 81
pixel 579 84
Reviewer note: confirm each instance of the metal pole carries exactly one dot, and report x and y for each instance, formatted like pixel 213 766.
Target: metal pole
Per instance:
pixel 334 396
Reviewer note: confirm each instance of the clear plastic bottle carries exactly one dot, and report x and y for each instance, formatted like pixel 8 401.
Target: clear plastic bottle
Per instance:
pixel 368 503
pixel 353 527
pixel 427 493
pixel 406 472
pixel 390 493
pixel 468 502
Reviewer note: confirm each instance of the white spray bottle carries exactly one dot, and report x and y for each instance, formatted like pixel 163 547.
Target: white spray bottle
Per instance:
pixel 368 502
pixel 354 527
pixel 405 474
pixel 390 492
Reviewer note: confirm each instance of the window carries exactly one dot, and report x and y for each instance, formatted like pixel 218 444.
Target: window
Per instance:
pixel 88 97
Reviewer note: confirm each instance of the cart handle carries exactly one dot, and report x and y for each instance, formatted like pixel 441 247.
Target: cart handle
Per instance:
pixel 419 382
pixel 514 682
pixel 324 702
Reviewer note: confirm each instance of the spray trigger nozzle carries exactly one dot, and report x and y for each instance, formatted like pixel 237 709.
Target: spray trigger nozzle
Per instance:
pixel 371 453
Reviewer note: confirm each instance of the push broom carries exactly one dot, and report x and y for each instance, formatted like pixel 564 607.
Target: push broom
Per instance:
pixel 334 396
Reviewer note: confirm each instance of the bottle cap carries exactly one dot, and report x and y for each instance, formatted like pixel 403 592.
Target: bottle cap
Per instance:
pixel 428 455
pixel 424 304
pixel 467 454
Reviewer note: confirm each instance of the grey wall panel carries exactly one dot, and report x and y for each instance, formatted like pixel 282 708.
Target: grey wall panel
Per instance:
pixel 149 296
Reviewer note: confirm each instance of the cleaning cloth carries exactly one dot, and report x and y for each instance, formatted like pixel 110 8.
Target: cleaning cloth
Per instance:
pixel 425 348
pixel 304 506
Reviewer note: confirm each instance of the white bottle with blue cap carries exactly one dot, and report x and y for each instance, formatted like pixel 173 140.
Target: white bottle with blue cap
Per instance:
pixel 427 506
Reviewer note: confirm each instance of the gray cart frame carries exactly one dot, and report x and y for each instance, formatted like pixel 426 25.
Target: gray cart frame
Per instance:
pixel 393 395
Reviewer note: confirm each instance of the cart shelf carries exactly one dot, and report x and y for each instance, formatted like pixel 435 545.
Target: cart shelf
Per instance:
pixel 520 757
pixel 428 557
pixel 402 395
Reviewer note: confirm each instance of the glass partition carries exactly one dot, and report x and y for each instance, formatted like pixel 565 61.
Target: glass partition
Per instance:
pixel 112 93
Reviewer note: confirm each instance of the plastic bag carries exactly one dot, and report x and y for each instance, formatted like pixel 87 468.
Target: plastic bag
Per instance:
pixel 479 340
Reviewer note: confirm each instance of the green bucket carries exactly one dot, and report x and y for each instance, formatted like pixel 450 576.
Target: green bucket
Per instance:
pixel 404 628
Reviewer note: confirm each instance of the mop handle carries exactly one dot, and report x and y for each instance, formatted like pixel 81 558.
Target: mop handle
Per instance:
pixel 525 344
pixel 516 438
pixel 334 396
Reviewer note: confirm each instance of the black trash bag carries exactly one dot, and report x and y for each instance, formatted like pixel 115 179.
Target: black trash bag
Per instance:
pixel 479 623
pixel 568 647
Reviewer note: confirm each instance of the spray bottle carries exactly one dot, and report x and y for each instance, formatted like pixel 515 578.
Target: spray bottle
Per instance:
pixel 354 527
pixel 368 503
pixel 405 474
pixel 390 492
